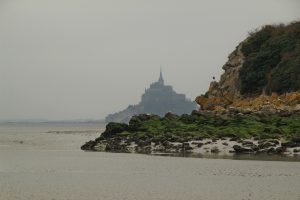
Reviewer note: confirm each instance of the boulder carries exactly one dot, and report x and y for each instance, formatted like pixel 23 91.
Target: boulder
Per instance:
pixel 290 144
pixel 247 143
pixel 266 145
pixel 186 146
pixel 240 149
pixel 88 146
pixel 276 142
pixel 215 150
pixel 234 139
pixel 297 108
pixel 296 139
pixel 113 129
pixel 145 117
pixel 271 150
pixel 143 143
pixel 296 150
pixel 144 149
pixel 261 151
pixel 199 144
pixel 280 150
pixel 170 115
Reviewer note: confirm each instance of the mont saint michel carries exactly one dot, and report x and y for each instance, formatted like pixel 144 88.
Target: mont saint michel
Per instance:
pixel 158 99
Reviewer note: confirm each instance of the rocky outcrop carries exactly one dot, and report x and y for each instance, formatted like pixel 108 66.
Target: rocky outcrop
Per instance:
pixel 223 146
pixel 254 73
pixel 188 134
pixel 223 93
pixel 274 103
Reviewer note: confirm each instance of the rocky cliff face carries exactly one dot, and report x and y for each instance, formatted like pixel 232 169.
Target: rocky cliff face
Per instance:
pixel 263 69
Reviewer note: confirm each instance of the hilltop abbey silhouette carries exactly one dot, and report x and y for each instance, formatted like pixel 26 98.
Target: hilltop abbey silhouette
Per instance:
pixel 158 99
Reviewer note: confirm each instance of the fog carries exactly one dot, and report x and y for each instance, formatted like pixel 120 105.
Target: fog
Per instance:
pixel 78 59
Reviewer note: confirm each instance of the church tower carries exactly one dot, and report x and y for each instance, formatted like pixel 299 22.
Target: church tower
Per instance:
pixel 161 79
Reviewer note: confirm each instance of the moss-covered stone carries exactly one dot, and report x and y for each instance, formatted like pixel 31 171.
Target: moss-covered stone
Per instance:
pixel 112 129
pixel 206 126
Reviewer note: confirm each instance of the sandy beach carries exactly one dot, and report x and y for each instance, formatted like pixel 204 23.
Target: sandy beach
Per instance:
pixel 49 165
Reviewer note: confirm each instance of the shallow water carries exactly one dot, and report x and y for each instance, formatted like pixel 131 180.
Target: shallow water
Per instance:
pixel 43 161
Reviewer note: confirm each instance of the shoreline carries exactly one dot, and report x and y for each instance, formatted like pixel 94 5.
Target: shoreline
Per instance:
pixel 199 148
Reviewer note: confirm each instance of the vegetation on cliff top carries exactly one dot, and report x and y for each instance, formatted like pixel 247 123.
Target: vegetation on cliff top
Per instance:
pixel 272 60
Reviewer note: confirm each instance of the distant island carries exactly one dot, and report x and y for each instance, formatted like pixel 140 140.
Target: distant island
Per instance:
pixel 158 99
pixel 253 109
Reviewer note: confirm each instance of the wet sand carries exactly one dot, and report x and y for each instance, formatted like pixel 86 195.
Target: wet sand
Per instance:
pixel 50 170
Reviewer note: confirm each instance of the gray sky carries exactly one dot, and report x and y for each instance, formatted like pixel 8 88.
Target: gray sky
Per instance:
pixel 72 59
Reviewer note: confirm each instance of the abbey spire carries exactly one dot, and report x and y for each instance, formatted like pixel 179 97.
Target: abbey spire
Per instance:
pixel 161 79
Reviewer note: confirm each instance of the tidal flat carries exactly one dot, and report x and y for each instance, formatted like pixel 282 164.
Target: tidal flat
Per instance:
pixel 44 162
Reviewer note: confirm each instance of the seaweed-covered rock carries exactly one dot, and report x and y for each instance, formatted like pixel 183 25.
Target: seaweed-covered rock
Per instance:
pixel 240 149
pixel 215 150
pixel 266 145
pixel 116 146
pixel 290 144
pixel 143 143
pixel 296 139
pixel 280 150
pixel 143 149
pixel 296 150
pixel 113 129
pixel 247 143
pixel 271 150
pixel 88 146
pixel 170 115
pixel 186 146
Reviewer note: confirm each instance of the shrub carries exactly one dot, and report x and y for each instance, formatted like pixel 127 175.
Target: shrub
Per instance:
pixel 272 61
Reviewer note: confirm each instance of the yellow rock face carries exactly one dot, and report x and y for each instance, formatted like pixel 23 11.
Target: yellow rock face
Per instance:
pixel 211 103
pixel 201 101
pixel 291 99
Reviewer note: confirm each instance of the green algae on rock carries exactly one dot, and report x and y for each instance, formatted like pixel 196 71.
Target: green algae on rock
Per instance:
pixel 201 132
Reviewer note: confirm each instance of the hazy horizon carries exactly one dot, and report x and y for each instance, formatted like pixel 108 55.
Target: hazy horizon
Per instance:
pixel 62 60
